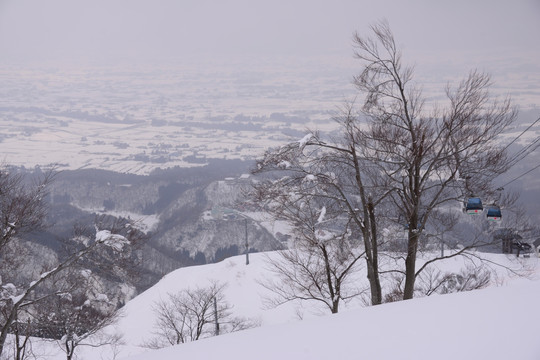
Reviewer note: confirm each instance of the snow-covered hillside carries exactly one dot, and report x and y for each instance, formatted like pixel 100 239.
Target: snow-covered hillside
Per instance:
pixel 499 322
pixel 496 323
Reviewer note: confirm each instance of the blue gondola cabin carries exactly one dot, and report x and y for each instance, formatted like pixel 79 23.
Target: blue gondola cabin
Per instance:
pixel 494 214
pixel 473 206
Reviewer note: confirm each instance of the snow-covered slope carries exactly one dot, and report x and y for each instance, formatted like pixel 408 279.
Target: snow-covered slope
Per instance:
pixel 495 323
pixel 500 322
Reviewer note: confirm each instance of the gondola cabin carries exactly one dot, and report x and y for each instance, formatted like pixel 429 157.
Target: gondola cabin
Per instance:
pixel 494 213
pixel 473 206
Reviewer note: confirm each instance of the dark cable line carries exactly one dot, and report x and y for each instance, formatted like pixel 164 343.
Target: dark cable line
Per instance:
pixel 520 176
pixel 523 132
pixel 520 155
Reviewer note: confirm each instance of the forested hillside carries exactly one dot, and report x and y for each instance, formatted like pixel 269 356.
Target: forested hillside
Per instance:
pixel 187 217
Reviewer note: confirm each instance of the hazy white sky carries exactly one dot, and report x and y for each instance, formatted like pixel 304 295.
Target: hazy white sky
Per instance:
pixel 152 29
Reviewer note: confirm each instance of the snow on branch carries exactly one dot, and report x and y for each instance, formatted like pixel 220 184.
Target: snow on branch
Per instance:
pixel 322 215
pixel 302 142
pixel 284 164
pixel 114 241
pixel 309 178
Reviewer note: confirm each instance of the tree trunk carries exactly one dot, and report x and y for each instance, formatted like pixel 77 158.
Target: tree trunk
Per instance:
pixel 377 291
pixel 372 270
pixel 373 283
pixel 335 306
pixel 410 265
pixel 5 328
pixel 70 349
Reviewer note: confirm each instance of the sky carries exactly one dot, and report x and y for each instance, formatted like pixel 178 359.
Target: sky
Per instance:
pixel 153 30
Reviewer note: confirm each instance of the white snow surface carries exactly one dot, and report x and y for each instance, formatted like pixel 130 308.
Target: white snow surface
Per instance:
pixel 497 323
pixel 500 322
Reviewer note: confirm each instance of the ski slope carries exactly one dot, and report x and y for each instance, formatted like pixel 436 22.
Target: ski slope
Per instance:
pixel 496 323
pixel 499 322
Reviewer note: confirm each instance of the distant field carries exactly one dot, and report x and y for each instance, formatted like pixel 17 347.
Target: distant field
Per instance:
pixel 137 119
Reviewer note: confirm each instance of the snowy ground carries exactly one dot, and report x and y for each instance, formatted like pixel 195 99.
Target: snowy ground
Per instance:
pixel 496 323
pixel 500 322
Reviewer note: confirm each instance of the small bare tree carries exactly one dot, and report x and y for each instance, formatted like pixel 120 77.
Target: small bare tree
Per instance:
pixel 192 314
pixel 329 172
pixel 22 203
pixel 17 300
pixel 309 274
pixel 325 248
pixel 22 211
pixel 22 343
pixel 77 313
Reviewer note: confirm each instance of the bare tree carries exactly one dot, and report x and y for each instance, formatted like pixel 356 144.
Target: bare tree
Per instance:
pixel 22 210
pixel 423 153
pixel 193 314
pixel 310 274
pixel 22 339
pixel 13 302
pixel 77 313
pixel 325 244
pixel 333 173
pixel 22 203
pixel 395 159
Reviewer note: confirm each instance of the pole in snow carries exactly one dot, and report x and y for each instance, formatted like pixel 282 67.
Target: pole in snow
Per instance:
pixel 247 244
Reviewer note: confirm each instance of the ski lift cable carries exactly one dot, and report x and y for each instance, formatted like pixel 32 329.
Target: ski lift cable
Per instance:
pixel 523 132
pixel 522 154
pixel 520 176
pixel 534 142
